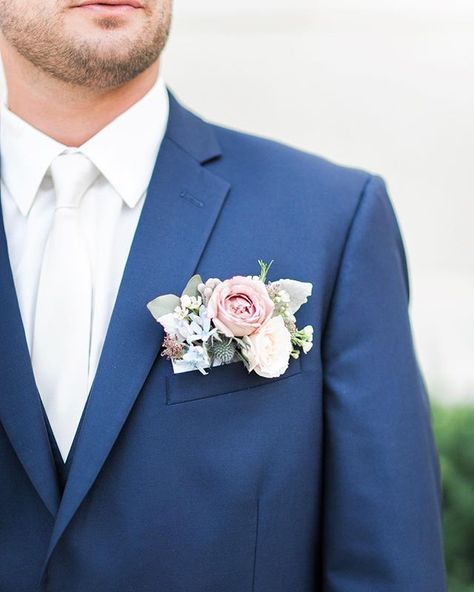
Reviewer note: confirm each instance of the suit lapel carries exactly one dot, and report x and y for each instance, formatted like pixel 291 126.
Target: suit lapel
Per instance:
pixel 20 404
pixel 181 207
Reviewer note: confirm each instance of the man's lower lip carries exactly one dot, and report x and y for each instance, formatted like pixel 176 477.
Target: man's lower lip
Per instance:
pixel 108 8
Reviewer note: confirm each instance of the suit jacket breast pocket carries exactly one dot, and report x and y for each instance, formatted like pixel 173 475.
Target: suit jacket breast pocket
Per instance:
pixel 220 380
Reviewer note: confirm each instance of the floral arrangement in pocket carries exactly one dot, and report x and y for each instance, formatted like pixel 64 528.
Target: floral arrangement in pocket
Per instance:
pixel 244 318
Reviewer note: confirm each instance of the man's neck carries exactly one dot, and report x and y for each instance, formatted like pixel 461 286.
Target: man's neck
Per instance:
pixel 68 114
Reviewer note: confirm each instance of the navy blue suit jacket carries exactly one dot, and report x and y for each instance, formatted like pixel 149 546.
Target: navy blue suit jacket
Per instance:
pixel 325 478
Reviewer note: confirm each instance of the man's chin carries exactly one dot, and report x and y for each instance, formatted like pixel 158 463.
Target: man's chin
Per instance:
pixel 104 43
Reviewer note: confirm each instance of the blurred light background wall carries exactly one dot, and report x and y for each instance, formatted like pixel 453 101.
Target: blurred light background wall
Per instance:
pixel 379 84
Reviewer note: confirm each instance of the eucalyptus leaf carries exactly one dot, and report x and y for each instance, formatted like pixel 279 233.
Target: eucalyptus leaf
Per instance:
pixel 191 286
pixel 163 305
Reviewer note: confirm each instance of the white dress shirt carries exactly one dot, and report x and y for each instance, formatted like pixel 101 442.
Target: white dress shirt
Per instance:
pixel 124 151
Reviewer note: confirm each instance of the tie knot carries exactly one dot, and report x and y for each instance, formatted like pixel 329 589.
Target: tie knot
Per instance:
pixel 73 173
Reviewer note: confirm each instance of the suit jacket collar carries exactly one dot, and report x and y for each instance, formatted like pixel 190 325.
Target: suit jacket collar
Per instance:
pixel 160 262
pixel 20 404
pixel 191 133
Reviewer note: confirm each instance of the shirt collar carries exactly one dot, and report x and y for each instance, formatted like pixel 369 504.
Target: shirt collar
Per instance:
pixel 124 151
pixel 26 154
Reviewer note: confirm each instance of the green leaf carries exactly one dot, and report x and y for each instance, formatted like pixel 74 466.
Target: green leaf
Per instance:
pixel 163 305
pixel 191 286
pixel 264 267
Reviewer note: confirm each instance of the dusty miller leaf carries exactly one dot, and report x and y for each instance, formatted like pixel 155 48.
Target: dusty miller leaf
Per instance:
pixel 298 292
pixel 191 286
pixel 163 305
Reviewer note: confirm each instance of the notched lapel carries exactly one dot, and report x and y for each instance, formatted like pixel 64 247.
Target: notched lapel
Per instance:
pixel 183 202
pixel 20 405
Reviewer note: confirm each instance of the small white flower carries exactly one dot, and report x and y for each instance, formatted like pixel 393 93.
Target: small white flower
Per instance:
pixel 176 326
pixel 184 331
pixel 197 357
pixel 298 293
pixel 170 322
pixel 179 312
pixel 307 345
pixel 284 296
pixel 201 326
pixel 190 302
pixel 185 301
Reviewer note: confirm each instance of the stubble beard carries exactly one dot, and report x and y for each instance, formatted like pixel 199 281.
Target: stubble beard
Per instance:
pixel 83 63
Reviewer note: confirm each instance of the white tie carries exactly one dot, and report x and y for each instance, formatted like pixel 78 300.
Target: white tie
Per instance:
pixel 61 338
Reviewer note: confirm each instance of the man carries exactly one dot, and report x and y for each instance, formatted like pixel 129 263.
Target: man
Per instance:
pixel 119 475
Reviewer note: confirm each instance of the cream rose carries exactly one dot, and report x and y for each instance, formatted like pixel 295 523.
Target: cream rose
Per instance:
pixel 269 348
pixel 239 306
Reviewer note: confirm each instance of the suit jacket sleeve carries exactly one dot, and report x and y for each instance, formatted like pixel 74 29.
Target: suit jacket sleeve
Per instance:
pixel 382 500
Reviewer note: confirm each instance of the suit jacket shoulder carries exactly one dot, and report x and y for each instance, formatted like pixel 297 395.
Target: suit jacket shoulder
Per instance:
pixel 292 176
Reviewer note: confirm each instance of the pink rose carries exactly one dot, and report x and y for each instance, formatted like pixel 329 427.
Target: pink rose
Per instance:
pixel 269 348
pixel 239 306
